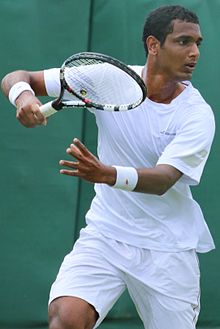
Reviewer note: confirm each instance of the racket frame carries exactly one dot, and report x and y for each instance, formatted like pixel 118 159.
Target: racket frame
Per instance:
pixel 57 104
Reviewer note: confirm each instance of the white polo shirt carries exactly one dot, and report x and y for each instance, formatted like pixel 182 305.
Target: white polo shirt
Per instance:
pixel 179 134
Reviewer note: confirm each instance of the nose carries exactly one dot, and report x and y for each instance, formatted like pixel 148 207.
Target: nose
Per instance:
pixel 194 51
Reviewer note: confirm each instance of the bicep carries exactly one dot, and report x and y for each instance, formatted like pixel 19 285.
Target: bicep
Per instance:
pixel 189 150
pixel 37 83
pixel 35 79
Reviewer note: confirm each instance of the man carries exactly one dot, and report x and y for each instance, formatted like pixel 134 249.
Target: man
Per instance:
pixel 143 227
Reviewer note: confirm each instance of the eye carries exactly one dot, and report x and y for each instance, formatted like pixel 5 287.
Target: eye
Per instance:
pixel 187 41
pixel 183 42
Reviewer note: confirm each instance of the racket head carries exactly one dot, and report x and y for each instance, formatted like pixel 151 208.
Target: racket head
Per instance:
pixel 101 82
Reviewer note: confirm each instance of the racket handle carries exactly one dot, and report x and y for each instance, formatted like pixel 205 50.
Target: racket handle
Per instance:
pixel 47 109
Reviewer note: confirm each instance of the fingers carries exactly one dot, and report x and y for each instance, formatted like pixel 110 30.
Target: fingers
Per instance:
pixel 39 117
pixel 72 165
pixel 31 118
pixel 79 147
pixel 86 166
pixel 68 172
pixel 79 150
pixel 74 151
pixel 86 163
pixel 28 112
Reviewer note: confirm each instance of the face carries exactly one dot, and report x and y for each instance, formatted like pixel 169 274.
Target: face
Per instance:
pixel 178 56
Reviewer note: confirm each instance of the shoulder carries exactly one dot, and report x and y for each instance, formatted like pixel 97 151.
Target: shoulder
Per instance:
pixel 195 99
pixel 52 81
pixel 194 106
pixel 197 119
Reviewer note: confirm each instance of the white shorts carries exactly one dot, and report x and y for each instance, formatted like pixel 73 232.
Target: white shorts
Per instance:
pixel 163 286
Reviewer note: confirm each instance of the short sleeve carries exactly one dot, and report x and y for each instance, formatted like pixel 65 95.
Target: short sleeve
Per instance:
pixel 52 82
pixel 189 150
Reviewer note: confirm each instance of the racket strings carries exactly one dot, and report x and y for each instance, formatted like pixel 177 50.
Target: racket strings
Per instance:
pixel 81 83
pixel 84 61
pixel 102 83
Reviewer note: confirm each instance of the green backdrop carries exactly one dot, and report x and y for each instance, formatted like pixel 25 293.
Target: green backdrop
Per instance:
pixel 42 211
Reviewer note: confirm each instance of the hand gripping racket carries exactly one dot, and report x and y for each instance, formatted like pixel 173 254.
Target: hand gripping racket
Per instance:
pixel 92 80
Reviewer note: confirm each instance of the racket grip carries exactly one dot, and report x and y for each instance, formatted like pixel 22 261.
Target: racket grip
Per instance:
pixel 47 109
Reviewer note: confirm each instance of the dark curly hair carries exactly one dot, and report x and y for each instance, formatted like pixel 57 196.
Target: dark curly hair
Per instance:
pixel 159 23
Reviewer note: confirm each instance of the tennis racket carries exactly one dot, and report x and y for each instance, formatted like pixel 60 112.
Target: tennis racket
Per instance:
pixel 92 80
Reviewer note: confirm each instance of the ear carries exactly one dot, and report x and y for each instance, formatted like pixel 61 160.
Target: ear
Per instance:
pixel 153 45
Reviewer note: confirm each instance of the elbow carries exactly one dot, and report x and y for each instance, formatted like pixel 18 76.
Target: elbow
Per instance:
pixel 163 188
pixel 167 181
pixel 161 191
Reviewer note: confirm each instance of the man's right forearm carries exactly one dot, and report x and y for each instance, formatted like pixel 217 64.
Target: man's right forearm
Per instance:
pixel 10 79
pixel 34 79
pixel 21 88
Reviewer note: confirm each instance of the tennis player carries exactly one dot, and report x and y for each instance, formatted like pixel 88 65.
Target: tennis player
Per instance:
pixel 144 229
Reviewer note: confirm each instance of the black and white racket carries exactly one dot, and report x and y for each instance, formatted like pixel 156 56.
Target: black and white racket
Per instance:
pixel 98 81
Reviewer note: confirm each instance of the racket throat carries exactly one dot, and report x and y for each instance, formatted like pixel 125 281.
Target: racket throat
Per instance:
pixel 57 104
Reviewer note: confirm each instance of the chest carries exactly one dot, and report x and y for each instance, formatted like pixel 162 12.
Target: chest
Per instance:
pixel 140 134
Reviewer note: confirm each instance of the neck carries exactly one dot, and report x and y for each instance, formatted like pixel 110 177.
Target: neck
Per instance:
pixel 160 88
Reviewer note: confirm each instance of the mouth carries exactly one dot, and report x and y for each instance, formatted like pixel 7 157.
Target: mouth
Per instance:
pixel 190 66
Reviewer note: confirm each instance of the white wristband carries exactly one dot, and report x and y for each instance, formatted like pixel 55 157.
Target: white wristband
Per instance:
pixel 127 178
pixel 17 89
